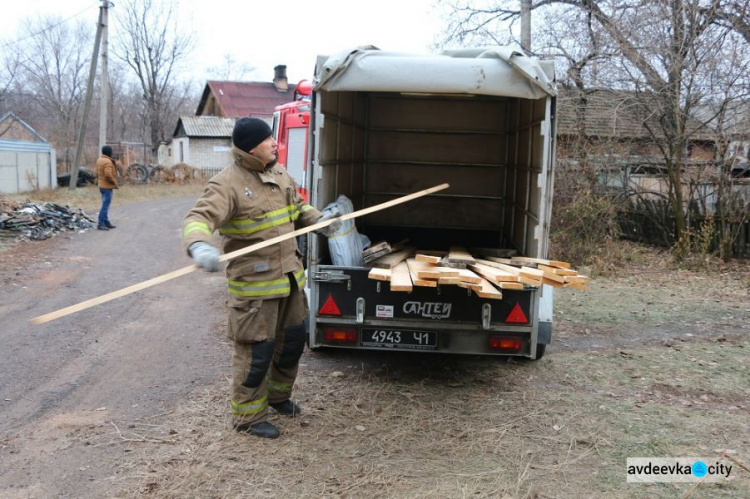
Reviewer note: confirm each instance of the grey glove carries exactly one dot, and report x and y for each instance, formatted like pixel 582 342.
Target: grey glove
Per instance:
pixel 205 256
pixel 331 229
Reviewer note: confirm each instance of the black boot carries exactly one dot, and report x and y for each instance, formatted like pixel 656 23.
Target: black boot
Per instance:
pixel 103 227
pixel 287 408
pixel 109 225
pixel 263 429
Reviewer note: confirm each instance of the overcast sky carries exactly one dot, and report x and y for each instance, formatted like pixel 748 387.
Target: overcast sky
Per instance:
pixel 264 34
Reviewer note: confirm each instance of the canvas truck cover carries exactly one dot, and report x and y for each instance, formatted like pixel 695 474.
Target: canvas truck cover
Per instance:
pixel 497 71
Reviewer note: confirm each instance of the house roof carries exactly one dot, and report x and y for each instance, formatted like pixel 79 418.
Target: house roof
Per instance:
pixel 14 128
pixel 614 113
pixel 204 126
pixel 236 99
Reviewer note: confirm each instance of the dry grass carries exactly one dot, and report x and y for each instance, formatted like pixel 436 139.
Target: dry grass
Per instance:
pixel 88 198
pixel 387 425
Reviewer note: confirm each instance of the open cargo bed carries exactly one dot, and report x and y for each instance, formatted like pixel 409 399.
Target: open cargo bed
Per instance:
pixel 385 125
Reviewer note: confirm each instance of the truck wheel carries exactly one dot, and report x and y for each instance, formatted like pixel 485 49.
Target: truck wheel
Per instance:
pixel 540 349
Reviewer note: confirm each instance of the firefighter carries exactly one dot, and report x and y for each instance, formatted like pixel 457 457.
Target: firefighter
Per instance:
pixel 250 201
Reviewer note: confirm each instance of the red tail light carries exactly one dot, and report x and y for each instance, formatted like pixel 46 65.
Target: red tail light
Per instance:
pixel 339 334
pixel 516 315
pixel 329 307
pixel 510 345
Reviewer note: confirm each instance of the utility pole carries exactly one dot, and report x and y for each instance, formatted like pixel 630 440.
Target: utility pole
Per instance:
pixel 104 79
pixel 87 102
pixel 526 25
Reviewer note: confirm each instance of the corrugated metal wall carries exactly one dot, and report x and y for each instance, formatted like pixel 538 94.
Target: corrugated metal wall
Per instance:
pixel 25 166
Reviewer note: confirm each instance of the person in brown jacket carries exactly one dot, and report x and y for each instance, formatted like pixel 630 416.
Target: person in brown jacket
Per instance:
pixel 106 172
pixel 250 201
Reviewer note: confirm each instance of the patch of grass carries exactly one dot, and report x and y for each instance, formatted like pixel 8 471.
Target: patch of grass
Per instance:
pixel 454 427
pixel 88 198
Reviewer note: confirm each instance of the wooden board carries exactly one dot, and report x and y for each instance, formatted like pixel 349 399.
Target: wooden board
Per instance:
pixel 234 254
pixel 449 280
pixel 390 261
pixel 376 248
pixel 380 274
pixel 543 275
pixel 523 260
pixel 458 254
pixel 556 270
pixel 400 278
pixel 429 256
pixel 414 267
pixel 529 280
pixel 492 274
pixel 511 285
pixel 466 275
pixel 487 290
pixel 470 285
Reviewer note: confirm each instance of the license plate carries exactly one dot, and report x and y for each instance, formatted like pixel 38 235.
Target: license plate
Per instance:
pixel 399 338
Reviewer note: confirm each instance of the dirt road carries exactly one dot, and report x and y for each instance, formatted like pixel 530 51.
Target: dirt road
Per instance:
pixel 125 361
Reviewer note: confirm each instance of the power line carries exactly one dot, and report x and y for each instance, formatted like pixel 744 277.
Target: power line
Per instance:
pixel 47 28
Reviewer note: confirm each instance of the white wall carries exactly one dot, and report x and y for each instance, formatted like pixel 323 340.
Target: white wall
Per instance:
pixel 25 166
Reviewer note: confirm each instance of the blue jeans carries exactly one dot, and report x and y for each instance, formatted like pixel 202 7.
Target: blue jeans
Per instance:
pixel 104 210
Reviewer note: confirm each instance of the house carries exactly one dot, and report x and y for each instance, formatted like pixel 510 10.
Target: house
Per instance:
pixel 619 133
pixel 237 99
pixel 27 160
pixel 204 140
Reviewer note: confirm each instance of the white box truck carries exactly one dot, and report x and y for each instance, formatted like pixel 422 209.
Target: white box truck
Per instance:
pixel 386 124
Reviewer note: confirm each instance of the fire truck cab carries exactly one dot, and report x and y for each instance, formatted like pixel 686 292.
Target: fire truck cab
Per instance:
pixel 290 127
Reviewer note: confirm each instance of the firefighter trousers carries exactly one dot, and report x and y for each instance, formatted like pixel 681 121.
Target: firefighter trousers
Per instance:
pixel 269 337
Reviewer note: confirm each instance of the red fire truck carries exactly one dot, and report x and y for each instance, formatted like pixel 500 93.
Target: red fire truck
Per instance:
pixel 290 124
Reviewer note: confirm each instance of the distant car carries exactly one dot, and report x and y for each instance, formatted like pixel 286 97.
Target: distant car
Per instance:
pixel 85 176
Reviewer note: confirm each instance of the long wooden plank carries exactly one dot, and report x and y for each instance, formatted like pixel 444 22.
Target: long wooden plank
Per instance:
pixel 400 278
pixel 390 261
pixel 522 260
pixel 429 256
pixel 493 274
pixel 487 290
pixel 379 274
pixel 556 270
pixel 530 280
pixel 466 275
pixel 458 254
pixel 234 254
pixel 414 267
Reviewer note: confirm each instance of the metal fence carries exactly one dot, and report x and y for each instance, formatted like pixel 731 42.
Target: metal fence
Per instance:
pixel 645 228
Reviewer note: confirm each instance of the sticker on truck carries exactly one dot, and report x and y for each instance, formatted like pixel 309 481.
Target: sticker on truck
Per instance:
pixel 384 311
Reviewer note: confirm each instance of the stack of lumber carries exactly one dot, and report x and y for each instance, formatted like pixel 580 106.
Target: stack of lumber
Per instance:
pixel 483 273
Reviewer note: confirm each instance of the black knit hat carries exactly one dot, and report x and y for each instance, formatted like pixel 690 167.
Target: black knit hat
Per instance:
pixel 249 132
pixel 107 151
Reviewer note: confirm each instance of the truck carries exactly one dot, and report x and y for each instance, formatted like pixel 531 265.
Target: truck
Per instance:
pixel 386 124
pixel 290 130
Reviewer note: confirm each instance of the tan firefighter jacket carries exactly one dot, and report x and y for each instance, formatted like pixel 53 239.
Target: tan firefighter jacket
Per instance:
pixel 248 205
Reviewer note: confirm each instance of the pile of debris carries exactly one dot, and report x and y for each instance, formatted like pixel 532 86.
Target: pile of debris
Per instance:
pixel 38 221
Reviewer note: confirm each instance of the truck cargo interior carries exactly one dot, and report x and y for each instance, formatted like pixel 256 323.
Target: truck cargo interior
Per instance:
pixel 376 146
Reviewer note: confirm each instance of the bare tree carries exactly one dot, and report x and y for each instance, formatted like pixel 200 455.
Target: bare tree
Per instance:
pixel 231 69
pixel 10 64
pixel 154 48
pixel 54 59
pixel 661 52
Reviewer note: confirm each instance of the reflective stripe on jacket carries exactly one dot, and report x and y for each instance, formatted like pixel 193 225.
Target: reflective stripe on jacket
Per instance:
pixel 249 205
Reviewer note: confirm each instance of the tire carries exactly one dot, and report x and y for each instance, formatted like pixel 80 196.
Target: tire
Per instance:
pixel 137 174
pixel 541 348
